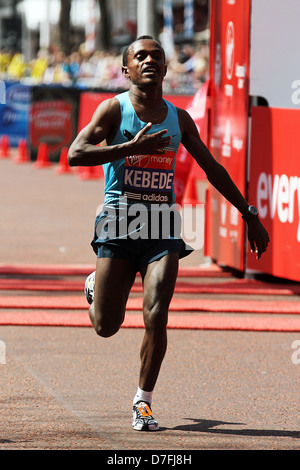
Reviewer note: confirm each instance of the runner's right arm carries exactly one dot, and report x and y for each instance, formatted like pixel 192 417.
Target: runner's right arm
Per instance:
pixel 85 150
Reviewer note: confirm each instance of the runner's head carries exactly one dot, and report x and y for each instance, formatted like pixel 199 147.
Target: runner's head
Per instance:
pixel 144 61
pixel 126 50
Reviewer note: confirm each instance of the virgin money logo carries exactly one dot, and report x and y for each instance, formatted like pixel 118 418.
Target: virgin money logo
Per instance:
pixel 138 160
pixel 229 50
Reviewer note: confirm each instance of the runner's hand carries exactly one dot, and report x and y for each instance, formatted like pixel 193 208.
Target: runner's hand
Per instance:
pixel 150 143
pixel 258 237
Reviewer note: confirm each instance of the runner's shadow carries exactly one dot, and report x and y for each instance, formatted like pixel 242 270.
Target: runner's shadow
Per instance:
pixel 208 426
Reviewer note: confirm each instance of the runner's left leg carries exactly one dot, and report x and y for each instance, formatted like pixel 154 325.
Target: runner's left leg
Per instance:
pixel 113 280
pixel 159 280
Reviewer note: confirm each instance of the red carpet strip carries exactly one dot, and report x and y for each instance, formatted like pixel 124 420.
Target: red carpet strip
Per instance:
pixel 234 317
pixel 177 304
pixel 84 270
pixel 240 286
pixel 185 322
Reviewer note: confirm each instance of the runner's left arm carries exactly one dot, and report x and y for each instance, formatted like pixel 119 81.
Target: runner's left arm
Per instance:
pixel 218 176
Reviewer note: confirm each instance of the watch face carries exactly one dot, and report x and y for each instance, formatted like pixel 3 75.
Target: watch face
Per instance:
pixel 253 210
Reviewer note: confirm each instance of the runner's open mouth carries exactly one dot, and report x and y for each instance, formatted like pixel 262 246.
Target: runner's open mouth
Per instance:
pixel 150 70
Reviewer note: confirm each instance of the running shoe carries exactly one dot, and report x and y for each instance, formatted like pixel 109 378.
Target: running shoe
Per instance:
pixel 89 287
pixel 142 417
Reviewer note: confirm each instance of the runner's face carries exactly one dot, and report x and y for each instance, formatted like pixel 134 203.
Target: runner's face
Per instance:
pixel 146 63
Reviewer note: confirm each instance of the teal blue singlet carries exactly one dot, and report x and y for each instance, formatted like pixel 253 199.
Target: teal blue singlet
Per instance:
pixel 124 229
pixel 144 179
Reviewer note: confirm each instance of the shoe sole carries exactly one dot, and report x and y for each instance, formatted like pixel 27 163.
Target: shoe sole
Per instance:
pixel 146 428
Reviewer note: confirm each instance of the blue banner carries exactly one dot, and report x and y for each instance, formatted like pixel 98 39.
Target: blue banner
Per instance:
pixel 14 112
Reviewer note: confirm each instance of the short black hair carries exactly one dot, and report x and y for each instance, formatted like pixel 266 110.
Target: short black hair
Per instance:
pixel 126 50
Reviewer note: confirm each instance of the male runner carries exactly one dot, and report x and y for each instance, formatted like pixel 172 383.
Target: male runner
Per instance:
pixel 137 128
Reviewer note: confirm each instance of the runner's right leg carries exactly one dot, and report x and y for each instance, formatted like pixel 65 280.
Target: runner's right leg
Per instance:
pixel 113 280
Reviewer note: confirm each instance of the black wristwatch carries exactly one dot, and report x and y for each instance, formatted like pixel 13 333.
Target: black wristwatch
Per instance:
pixel 251 213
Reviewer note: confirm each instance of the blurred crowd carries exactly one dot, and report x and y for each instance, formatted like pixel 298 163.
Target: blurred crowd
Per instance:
pixel 187 70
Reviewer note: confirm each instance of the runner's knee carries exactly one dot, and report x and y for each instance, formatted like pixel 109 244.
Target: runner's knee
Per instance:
pixel 156 317
pixel 106 331
pixel 104 328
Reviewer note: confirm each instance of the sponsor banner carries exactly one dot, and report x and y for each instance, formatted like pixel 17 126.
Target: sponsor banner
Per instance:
pixel 51 123
pixel 274 187
pixel 53 119
pixel 230 31
pixel 186 165
pixel 89 101
pixel 14 111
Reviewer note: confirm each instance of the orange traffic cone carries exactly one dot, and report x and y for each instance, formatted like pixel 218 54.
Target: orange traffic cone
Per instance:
pixel 22 153
pixel 4 147
pixel 89 173
pixel 63 165
pixel 42 160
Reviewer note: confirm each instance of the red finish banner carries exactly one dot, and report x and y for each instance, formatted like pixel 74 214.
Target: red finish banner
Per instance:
pixel 51 123
pixel 228 126
pixel 187 170
pixel 88 104
pixel 274 187
pixel 53 118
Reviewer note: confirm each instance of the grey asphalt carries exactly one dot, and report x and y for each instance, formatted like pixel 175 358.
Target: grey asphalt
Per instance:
pixel 64 388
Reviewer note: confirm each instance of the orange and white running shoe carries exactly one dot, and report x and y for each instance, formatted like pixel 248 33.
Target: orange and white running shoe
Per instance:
pixel 89 287
pixel 142 417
